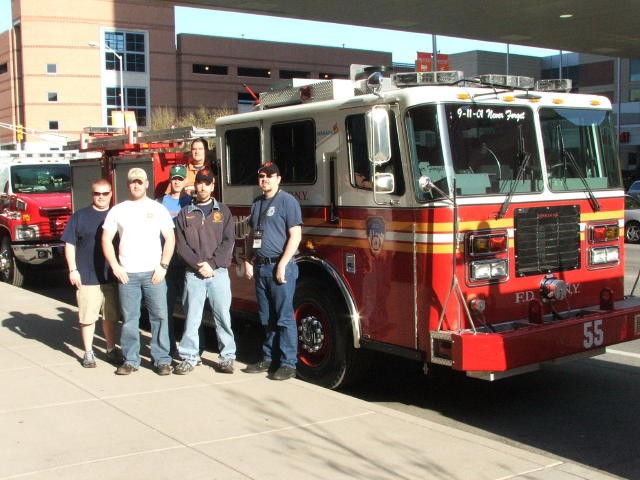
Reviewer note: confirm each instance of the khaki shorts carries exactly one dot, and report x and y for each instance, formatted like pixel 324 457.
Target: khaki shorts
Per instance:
pixel 95 301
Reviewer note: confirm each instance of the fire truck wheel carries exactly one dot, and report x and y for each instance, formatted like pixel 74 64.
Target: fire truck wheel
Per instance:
pixel 632 232
pixel 10 271
pixel 326 355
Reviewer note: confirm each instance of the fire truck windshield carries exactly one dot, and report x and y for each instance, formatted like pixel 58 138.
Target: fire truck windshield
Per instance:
pixel 488 148
pixel 579 149
pixel 49 178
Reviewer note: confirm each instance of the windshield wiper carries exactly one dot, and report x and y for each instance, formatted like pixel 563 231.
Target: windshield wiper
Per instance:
pixel 564 155
pixel 522 167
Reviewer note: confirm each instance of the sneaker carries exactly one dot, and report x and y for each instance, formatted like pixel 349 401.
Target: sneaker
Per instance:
pixel 89 360
pixel 114 356
pixel 125 369
pixel 258 367
pixel 284 373
pixel 225 366
pixel 163 369
pixel 183 368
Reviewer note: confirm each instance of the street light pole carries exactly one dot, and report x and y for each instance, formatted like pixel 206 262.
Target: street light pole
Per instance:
pixel 119 57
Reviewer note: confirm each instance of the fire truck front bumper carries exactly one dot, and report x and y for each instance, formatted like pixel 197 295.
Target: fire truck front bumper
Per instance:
pixel 521 347
pixel 39 254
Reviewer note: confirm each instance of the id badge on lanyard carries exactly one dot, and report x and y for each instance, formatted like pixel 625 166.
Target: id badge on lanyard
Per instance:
pixel 257 239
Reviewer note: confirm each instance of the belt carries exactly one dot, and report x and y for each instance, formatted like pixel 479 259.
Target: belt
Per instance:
pixel 266 260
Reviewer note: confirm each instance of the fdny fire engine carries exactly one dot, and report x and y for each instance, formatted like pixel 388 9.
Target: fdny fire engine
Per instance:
pixel 471 223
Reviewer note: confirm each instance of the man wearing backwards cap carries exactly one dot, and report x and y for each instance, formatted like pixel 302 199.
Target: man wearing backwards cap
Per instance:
pixel 276 231
pixel 205 234
pixel 140 268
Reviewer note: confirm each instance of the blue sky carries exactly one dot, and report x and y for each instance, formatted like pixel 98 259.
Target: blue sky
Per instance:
pixel 403 45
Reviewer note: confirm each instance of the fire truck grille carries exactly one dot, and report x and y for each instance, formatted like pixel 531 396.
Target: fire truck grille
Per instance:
pixel 56 220
pixel 547 239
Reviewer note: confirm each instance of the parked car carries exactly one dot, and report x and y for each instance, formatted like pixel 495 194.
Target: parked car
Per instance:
pixel 631 219
pixel 634 189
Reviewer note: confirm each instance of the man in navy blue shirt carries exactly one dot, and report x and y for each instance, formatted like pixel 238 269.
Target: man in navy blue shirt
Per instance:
pixel 276 231
pixel 88 271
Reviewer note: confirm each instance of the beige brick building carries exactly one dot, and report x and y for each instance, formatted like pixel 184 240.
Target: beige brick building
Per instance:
pixel 52 79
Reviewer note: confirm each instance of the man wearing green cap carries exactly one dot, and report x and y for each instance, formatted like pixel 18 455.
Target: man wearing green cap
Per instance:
pixel 174 200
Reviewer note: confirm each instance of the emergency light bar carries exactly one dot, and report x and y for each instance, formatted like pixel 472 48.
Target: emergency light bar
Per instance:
pixel 554 85
pixel 414 79
pixel 513 81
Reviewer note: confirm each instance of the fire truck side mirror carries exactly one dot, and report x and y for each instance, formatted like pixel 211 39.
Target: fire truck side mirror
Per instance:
pixel 378 136
pixel 384 183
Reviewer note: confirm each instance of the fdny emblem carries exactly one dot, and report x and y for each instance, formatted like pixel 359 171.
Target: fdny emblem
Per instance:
pixel 375 233
pixel 217 217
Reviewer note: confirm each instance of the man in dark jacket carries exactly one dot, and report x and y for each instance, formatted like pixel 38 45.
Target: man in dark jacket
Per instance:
pixel 205 234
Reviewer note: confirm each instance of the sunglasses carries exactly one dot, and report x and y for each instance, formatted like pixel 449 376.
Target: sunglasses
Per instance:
pixel 101 194
pixel 264 175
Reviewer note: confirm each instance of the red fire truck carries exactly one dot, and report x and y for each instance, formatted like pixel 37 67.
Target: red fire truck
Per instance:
pixel 35 207
pixel 153 151
pixel 473 223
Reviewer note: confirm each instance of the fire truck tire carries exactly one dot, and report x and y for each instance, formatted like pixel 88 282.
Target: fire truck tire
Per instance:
pixel 632 232
pixel 10 269
pixel 326 355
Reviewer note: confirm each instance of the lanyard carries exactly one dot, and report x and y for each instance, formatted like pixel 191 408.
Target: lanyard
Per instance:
pixel 261 214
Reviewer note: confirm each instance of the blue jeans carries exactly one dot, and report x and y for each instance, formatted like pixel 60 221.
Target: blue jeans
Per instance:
pixel 196 290
pixel 275 309
pixel 138 288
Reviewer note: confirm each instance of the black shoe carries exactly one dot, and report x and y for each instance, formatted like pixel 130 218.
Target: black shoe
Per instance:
pixel 258 367
pixel 284 373
pixel 114 356
pixel 163 369
pixel 125 369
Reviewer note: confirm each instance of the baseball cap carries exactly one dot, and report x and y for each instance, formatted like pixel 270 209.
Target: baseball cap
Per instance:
pixel 204 176
pixel 178 171
pixel 269 168
pixel 137 174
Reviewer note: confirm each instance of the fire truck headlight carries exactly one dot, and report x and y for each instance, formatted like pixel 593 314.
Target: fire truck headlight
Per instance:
pixel 604 255
pixel 28 232
pixel 488 269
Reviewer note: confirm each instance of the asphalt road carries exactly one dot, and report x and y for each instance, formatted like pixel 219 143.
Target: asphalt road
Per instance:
pixel 585 411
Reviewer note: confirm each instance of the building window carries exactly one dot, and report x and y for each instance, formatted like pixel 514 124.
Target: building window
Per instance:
pixel 633 158
pixel 634 95
pixel 3 68
pixel 52 68
pixel 254 72
pixel 53 124
pixel 135 99
pixel 634 70
pixel 284 74
pixel 52 96
pixel 131 48
pixel 210 69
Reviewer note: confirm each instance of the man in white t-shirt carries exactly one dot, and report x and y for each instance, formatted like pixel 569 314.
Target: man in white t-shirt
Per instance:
pixel 140 268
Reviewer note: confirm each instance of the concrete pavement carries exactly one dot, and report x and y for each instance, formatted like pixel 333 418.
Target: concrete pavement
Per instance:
pixel 60 420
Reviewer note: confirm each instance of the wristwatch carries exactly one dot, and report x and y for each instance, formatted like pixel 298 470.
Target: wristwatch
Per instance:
pixel 164 265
